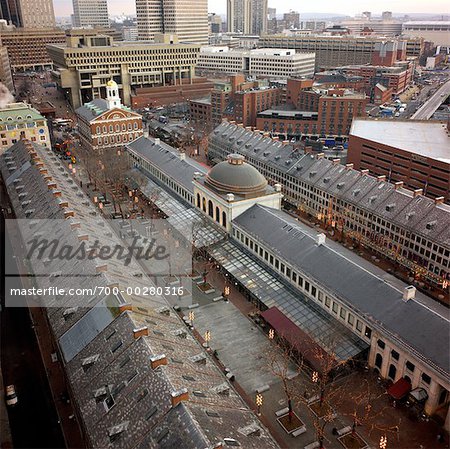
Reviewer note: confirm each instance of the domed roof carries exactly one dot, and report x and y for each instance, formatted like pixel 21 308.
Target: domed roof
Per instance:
pixel 111 83
pixel 236 176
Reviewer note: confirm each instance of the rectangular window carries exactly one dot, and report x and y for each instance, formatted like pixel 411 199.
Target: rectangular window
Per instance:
pixel 288 272
pixel 410 366
pixel 368 332
pixel 342 313
pixel 277 264
pixel 381 344
pixel 335 307
pixel 426 378
pixel 307 286
pixel 271 260
pixel 395 355
pixel 282 268
pixel 300 281
pixel 313 291
pixel 359 326
pixel 320 296
pixel 294 276
pixel 327 301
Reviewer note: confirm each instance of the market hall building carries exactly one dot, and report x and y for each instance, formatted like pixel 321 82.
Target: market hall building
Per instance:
pixel 346 305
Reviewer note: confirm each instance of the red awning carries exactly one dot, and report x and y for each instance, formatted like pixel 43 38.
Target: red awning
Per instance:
pixel 399 389
pixel 316 356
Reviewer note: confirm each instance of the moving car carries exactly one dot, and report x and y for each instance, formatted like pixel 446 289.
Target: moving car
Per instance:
pixel 11 396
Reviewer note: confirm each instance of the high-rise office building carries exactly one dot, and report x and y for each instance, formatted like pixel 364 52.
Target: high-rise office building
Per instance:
pixel 185 18
pixel 90 13
pixel 247 16
pixel 28 13
pixel 259 17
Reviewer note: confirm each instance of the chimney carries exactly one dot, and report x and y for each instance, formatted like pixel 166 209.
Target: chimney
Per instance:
pixel 364 172
pixel 101 268
pixel 348 166
pixel 126 306
pixel 266 134
pixel 418 192
pixel 43 171
pixel 63 203
pixel 439 200
pixel 183 156
pixel 275 138
pixel 232 122
pixel 381 178
pixel 51 185
pixel 75 225
pixel 398 185
pixel 83 237
pixel 158 360
pixel 57 193
pixel 277 187
pixel 285 142
pixel 308 149
pixel 140 332
pixel 409 292
pixel 336 161
pixel 69 213
pixel 320 239
pixel 47 178
pixel 320 155
pixel 240 125
pixel 230 197
pixel 248 128
pixel 179 396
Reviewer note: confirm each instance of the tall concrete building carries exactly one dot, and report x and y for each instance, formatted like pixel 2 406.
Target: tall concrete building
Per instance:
pixel 247 16
pixel 28 13
pixel 184 18
pixel 90 13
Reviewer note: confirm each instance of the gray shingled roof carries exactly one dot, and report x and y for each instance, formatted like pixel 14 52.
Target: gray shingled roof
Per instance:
pixel 379 302
pixel 413 215
pixel 93 109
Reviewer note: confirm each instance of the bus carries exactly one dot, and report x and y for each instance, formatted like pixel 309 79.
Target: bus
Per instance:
pixel 62 121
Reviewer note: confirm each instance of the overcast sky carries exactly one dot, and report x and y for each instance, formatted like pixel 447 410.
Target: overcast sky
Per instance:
pixel 350 7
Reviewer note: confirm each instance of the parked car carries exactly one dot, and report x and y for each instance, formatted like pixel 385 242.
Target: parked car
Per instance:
pixel 11 395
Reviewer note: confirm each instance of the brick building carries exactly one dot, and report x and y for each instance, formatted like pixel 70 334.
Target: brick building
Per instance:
pixel 105 124
pixel 241 100
pixel 200 112
pixel 415 152
pixel 313 112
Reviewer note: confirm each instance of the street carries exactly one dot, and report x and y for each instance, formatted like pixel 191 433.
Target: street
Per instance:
pixel 431 105
pixel 33 421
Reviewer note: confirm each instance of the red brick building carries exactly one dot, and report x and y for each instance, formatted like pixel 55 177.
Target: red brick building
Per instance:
pixel 106 124
pixel 200 112
pixel 415 152
pixel 313 112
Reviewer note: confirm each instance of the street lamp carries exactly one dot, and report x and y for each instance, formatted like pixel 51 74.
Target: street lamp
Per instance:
pixel 315 377
pixel 259 402
pixel 226 292
pixel 271 334
pixel 191 317
pixel 207 338
pixel 383 442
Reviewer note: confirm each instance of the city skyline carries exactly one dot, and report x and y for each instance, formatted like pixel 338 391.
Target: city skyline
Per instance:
pixel 117 7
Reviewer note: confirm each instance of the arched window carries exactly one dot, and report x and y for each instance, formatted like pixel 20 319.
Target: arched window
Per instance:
pixel 198 200
pixel 117 128
pixel 135 125
pixel 124 127
pixel 224 219
pixel 407 378
pixel 98 129
pixel 210 209
pixel 204 204
pixel 130 127
pixel 378 361
pixel 392 372
pixel 217 215
pixel 104 128
pixel 111 129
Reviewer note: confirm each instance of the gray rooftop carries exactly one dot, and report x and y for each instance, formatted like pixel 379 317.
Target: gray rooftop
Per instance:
pixel 168 159
pixel 412 323
pixel 365 191
pixel 424 137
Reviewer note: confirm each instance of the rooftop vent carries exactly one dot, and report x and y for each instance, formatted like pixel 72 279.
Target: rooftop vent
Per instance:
pixel 409 292
pixel 390 207
pixel 158 360
pixel 115 432
pixel 431 225
pixel 140 332
pixel 340 185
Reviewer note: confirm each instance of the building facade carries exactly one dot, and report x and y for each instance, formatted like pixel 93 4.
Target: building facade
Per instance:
pixel 400 224
pixel 104 124
pixel 90 13
pixel 20 121
pixel 263 62
pixel 5 69
pixel 336 51
pixel 415 152
pixel 258 17
pixel 188 20
pixel 437 32
pixel 85 65
pixel 200 113
pixel 28 13
pixel 27 47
